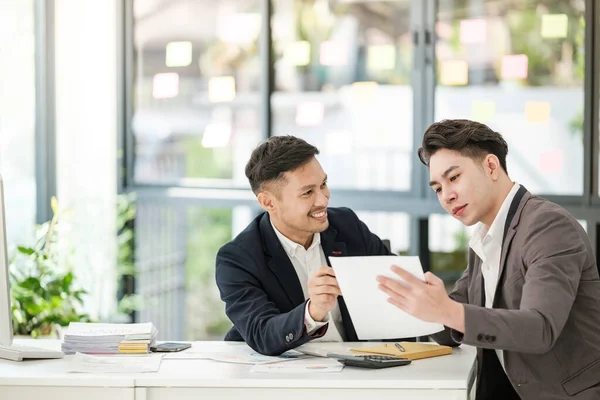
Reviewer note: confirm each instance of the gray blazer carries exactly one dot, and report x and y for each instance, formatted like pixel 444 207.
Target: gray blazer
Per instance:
pixel 546 314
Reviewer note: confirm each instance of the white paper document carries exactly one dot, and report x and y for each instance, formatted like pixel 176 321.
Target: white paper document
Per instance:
pixel 235 355
pixel 373 317
pixel 115 363
pixel 304 366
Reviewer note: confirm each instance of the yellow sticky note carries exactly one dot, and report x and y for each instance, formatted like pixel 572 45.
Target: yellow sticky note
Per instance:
pixel 179 54
pixel 454 72
pixel 555 26
pixel 537 111
pixel 297 53
pixel 364 92
pixel 221 89
pixel 381 57
pixel 483 111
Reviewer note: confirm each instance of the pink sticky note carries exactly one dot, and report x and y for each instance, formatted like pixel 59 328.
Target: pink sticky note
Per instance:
pixel 165 85
pixel 310 113
pixel 515 66
pixel 333 53
pixel 551 161
pixel 443 30
pixel 473 31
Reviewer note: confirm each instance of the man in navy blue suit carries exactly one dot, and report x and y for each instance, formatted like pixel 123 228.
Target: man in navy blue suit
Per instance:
pixel 274 277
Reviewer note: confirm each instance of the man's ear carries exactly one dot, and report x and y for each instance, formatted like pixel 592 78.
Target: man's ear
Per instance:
pixel 266 201
pixel 492 166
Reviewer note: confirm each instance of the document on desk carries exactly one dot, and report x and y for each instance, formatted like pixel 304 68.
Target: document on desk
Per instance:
pixel 115 363
pixel 236 355
pixel 302 366
pixel 372 315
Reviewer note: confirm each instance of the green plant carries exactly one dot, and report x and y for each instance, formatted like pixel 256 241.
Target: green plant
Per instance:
pixel 43 287
pixel 126 211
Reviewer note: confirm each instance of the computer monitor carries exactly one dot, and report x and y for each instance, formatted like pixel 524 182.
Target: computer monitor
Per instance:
pixel 8 349
pixel 6 336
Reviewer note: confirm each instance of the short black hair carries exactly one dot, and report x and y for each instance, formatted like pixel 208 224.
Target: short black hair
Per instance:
pixel 277 155
pixel 469 138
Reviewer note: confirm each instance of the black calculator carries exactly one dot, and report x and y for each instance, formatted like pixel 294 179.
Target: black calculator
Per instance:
pixel 370 361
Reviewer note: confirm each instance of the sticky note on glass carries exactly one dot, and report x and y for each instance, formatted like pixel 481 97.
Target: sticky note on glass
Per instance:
pixel 338 142
pixel 216 135
pixel 454 72
pixel 179 54
pixel 537 111
pixel 515 66
pixel 310 113
pixel 333 53
pixel 221 89
pixel 165 85
pixel 551 161
pixel 555 26
pixel 483 111
pixel 443 30
pixel 473 31
pixel 297 53
pixel 364 92
pixel 381 57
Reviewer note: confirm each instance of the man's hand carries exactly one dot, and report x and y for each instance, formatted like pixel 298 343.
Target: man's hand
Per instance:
pixel 427 301
pixel 323 291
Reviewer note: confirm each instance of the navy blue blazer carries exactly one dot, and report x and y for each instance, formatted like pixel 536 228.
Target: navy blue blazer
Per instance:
pixel 259 285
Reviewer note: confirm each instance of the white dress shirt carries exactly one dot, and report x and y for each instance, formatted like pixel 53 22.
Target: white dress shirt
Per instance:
pixel 306 262
pixel 487 244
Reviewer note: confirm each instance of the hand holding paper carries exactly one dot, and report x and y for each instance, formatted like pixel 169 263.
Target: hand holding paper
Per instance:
pixel 323 291
pixel 426 300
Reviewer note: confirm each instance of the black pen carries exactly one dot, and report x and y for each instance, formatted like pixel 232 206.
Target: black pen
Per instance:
pixel 399 346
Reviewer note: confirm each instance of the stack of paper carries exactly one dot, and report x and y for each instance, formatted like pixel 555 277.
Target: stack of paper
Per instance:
pixel 94 338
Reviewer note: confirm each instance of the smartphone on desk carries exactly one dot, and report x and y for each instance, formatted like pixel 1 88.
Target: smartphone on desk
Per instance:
pixel 169 347
pixel 370 361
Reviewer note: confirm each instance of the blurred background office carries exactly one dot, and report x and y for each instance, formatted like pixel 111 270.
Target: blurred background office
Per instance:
pixel 139 116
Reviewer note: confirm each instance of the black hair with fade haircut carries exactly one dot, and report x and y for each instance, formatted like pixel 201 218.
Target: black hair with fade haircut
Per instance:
pixel 277 155
pixel 469 138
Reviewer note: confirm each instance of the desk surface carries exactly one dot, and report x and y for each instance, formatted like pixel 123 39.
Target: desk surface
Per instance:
pixel 447 372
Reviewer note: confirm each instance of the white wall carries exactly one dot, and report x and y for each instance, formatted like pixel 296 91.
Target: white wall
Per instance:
pixel 86 126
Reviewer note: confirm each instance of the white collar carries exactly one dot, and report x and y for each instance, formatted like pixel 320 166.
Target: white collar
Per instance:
pixel 290 246
pixel 496 230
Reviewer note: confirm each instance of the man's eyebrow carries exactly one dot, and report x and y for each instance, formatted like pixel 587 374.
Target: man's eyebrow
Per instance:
pixel 306 187
pixel 444 175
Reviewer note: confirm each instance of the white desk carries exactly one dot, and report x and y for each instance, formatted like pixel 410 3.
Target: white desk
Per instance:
pixel 447 377
pixel 48 379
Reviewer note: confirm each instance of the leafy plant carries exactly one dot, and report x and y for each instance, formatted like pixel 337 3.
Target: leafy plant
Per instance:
pixel 126 211
pixel 43 287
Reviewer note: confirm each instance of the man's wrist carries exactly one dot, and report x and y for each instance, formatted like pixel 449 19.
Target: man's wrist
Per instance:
pixel 316 313
pixel 454 317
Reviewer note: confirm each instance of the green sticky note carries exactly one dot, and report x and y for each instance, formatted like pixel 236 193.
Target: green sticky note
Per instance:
pixel 381 57
pixel 483 111
pixel 555 26
pixel 297 53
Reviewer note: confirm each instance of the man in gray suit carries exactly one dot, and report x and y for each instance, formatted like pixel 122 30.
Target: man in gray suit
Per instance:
pixel 530 296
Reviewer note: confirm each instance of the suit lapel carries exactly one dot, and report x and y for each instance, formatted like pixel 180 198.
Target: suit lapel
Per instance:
pixel 279 263
pixel 332 248
pixel 512 220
